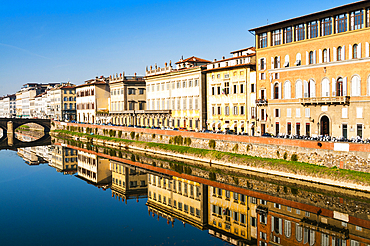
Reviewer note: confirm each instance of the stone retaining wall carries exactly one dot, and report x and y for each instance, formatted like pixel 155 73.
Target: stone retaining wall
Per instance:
pixel 347 156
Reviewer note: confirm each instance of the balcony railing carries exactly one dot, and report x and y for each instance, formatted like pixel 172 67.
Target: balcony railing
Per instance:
pixel 325 100
pixel 261 102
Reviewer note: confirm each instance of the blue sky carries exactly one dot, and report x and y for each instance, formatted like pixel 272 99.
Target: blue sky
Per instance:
pixel 55 41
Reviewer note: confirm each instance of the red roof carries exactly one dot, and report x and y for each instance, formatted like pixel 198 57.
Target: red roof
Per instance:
pixel 193 59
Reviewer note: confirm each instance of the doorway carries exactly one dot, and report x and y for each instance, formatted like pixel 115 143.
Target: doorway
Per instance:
pixel 324 125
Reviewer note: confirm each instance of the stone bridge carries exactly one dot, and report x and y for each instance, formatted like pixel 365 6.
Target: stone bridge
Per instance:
pixel 10 124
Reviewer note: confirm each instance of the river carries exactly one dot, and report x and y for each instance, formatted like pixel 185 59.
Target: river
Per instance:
pixel 73 194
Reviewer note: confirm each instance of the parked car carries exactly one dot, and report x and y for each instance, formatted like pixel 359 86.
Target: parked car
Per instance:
pixel 267 134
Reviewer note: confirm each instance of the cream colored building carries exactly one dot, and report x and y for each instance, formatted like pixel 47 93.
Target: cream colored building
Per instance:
pixel 313 73
pixel 127 99
pixel 63 159
pixel 177 97
pixel 92 98
pixel 231 92
pixel 94 169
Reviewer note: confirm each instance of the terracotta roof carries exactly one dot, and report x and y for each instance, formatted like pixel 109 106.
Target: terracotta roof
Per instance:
pixel 249 48
pixel 232 58
pixel 193 59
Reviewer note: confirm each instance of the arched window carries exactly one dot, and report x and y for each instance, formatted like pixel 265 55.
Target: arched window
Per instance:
pixel 298 59
pixel 354 51
pixel 311 57
pixel 287 90
pixel 355 86
pixel 325 88
pixel 276 62
pixel 298 89
pixel 298 232
pixel 325 55
pixel 339 88
pixel 287 228
pixel 339 53
pixel 276 91
pixel 286 61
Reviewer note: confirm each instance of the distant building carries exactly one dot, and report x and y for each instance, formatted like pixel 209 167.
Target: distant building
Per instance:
pixel 63 102
pixel 25 98
pixel 64 159
pixel 231 92
pixel 92 99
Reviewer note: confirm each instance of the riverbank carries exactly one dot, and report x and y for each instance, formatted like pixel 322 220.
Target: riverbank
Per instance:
pixel 283 168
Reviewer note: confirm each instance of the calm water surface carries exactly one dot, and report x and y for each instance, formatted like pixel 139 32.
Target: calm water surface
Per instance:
pixel 57 195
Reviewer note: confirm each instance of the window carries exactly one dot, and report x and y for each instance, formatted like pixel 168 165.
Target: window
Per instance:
pixel 276 91
pixel 262 64
pixel 288 38
pixel 131 91
pixel 298 89
pixel 213 90
pixel 341 23
pixel 339 87
pixel 141 91
pixel 263 202
pixel 276 37
pixel 312 29
pixel 235 90
pixel 263 40
pixel 235 110
pixel 357 20
pixel 326 26
pixel 359 130
pixel 298 232
pixel 311 57
pixel 253 88
pixel 287 228
pixel 276 62
pixel 325 55
pixel 241 88
pixel 227 110
pixel 339 54
pixel 242 112
pixel 300 32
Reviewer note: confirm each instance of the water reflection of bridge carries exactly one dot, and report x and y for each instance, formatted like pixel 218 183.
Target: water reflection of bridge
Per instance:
pixel 9 141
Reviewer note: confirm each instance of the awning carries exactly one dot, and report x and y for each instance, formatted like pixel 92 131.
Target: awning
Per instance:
pixel 218 125
pixel 226 126
pixel 241 125
pixel 233 125
pixel 212 124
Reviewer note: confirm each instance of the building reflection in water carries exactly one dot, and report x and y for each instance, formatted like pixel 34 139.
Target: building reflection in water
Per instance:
pixel 265 213
pixel 63 159
pixel 128 182
pixel 94 169
pixel 35 155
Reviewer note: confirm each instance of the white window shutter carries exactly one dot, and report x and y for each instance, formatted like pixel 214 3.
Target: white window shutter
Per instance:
pixel 359 50
pixel 367 49
pixel 333 87
pixel 334 54
pixel 272 62
pixel 272 91
pixel 320 56
pixel 314 57
pixel 259 64
pixel 350 52
pixel 345 86
pixel 305 89
pixel 343 52
pixel 265 63
pixel 272 223
pixel 358 86
pixel 278 61
pixel 279 90
pixel 328 55
pixel 280 226
pixel 312 89
pixel 307 58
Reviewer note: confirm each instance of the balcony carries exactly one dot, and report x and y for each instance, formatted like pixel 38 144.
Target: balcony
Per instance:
pixel 325 100
pixel 262 102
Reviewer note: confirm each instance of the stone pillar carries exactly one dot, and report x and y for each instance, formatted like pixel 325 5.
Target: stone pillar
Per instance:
pixel 10 133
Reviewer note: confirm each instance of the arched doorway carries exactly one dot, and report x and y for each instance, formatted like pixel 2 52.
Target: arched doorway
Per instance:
pixel 324 126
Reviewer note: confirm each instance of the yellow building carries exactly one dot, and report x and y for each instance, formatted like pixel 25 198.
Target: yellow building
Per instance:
pixel 313 73
pixel 128 183
pixel 94 169
pixel 177 97
pixel 63 159
pixel 178 198
pixel 231 92
pixel 234 214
